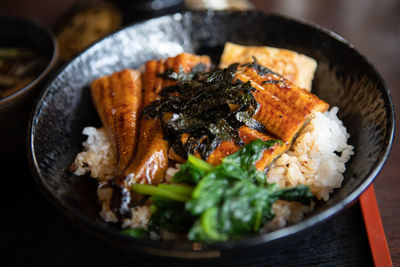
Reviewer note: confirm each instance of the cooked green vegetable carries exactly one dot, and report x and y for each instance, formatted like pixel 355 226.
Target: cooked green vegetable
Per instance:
pixel 170 215
pixel 174 192
pixel 217 203
pixel 137 232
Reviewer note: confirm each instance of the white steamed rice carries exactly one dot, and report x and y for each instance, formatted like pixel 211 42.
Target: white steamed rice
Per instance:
pixel 317 158
pixel 98 157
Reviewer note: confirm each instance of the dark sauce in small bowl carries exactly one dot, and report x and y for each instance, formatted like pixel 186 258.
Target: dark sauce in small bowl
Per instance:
pixel 19 66
pixel 28 52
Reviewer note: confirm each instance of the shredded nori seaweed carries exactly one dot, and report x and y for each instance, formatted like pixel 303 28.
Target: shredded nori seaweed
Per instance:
pixel 207 107
pixel 261 70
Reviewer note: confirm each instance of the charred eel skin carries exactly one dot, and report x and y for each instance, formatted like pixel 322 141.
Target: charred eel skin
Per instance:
pixel 283 109
pixel 117 99
pixel 150 160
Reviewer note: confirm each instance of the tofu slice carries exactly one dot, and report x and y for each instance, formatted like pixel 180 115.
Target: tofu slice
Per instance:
pixel 295 67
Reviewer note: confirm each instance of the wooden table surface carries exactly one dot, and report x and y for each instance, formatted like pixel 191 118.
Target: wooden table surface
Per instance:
pixel 373 27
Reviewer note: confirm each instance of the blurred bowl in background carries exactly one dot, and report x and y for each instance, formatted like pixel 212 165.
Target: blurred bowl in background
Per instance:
pixel 138 10
pixel 28 50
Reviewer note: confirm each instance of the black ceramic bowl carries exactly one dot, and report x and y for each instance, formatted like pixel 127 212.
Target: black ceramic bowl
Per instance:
pixel 344 78
pixel 15 108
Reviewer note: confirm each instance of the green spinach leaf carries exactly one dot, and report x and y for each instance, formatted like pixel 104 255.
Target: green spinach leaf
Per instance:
pixel 217 203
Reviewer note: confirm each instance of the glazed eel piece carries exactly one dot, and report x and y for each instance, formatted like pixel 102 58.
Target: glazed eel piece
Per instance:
pixel 150 160
pixel 284 109
pixel 117 99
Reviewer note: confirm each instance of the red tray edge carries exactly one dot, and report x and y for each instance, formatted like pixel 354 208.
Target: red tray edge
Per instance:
pixel 373 224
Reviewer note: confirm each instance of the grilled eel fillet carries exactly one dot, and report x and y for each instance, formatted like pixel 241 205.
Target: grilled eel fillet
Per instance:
pixel 151 157
pixel 293 66
pixel 284 110
pixel 117 99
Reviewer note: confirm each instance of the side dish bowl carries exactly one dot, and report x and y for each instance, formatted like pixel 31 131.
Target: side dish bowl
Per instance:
pixel 15 108
pixel 344 78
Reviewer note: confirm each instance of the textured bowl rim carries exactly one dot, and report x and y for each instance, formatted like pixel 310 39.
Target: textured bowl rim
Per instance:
pixel 186 249
pixel 50 63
